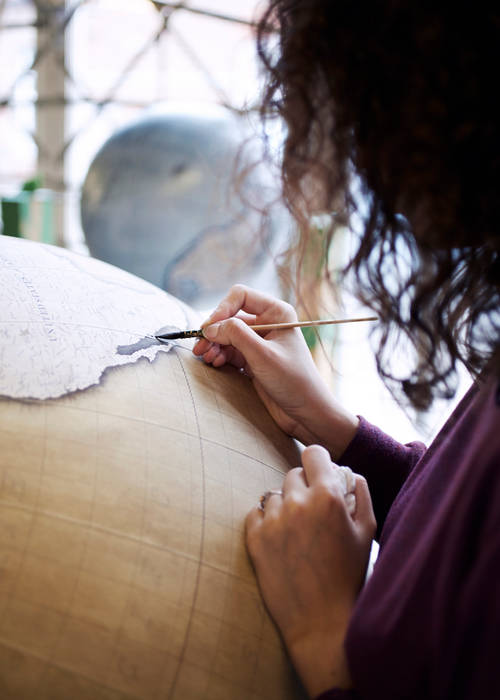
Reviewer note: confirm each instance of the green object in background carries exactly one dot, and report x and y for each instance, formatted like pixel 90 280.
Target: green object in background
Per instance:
pixel 11 216
pixel 34 184
pixel 325 334
pixel 311 337
pixel 30 213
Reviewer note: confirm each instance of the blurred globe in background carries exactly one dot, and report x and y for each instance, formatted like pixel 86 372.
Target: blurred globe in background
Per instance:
pixel 160 201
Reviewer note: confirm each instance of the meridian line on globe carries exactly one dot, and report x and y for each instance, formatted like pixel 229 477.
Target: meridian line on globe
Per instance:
pixel 128 488
pixel 182 654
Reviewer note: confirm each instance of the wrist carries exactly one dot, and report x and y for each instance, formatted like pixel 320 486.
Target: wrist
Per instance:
pixel 334 427
pixel 321 662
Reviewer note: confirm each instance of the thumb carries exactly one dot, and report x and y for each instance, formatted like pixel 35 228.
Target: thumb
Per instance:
pixel 233 331
pixel 364 516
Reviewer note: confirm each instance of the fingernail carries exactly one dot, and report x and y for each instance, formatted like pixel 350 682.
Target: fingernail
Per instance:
pixel 210 332
pixel 350 501
pixel 197 343
pixel 348 479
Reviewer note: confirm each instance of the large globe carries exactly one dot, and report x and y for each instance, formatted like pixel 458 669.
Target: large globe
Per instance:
pixel 126 471
pixel 160 200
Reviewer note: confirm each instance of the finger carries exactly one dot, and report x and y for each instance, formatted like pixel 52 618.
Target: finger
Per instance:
pixel 294 482
pixel 251 301
pixel 318 466
pixel 217 359
pixel 364 515
pixel 211 353
pixel 273 504
pixel 347 478
pixel 250 319
pixel 231 356
pixel 220 360
pixel 201 346
pixel 253 522
pixel 234 332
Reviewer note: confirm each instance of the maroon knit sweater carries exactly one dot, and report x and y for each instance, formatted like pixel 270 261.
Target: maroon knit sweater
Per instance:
pixel 427 623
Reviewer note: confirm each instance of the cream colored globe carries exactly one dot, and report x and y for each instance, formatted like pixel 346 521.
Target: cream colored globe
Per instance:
pixel 123 571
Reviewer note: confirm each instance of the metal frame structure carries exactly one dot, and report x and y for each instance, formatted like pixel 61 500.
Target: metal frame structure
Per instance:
pixel 53 75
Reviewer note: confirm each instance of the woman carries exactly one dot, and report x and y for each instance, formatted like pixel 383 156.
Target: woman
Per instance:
pixel 394 95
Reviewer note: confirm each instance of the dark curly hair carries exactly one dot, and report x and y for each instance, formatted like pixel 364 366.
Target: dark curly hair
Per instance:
pixel 397 97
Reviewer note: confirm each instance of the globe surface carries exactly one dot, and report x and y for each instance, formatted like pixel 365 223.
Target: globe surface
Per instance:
pixel 126 471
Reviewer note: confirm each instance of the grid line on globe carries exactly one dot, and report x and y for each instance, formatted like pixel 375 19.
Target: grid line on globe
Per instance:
pixel 122 506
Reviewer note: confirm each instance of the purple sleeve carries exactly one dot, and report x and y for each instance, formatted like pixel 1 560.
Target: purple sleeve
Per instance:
pixel 384 462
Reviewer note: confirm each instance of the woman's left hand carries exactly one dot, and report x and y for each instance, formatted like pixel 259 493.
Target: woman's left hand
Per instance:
pixel 310 555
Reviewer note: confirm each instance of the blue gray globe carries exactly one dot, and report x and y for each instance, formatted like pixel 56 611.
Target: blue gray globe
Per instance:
pixel 159 200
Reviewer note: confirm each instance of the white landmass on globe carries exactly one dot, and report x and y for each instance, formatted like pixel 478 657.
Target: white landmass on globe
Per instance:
pixel 66 318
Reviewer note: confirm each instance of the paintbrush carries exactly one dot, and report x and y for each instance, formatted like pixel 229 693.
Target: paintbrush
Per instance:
pixel 178 335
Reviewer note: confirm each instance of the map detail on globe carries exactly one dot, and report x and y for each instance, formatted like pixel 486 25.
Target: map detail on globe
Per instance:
pixel 54 343
pixel 123 496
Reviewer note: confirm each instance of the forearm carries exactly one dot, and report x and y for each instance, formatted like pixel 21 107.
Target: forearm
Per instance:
pixel 383 461
pixel 321 663
pixel 329 424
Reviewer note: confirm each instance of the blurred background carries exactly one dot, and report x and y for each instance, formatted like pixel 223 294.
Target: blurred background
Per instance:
pixel 73 73
pixel 120 122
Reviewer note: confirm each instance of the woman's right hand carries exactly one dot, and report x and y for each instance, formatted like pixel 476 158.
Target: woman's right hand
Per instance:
pixel 280 366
